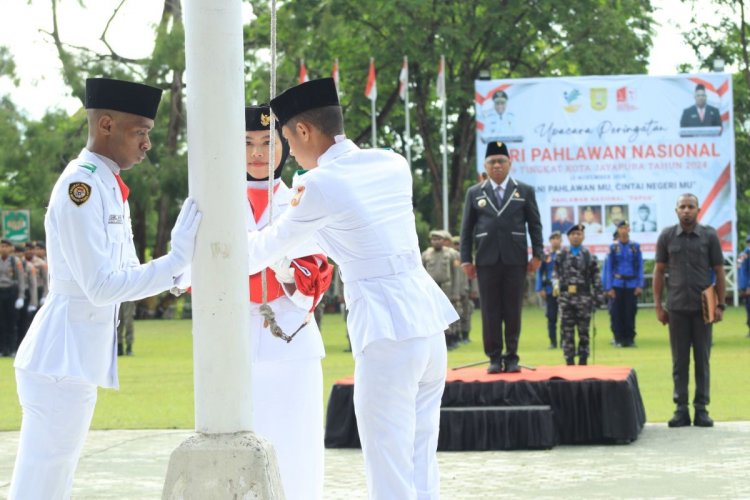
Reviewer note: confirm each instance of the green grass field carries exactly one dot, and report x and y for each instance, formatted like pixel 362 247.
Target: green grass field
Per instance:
pixel 156 384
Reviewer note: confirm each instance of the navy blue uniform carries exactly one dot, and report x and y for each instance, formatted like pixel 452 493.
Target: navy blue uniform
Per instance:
pixel 624 273
pixel 744 279
pixel 544 282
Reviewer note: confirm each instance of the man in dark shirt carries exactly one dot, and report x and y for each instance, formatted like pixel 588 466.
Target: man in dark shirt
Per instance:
pixel 688 252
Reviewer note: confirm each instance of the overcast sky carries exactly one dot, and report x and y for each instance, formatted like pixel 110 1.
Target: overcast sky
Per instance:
pixel 131 35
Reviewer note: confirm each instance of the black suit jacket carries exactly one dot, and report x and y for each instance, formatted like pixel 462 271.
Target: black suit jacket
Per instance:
pixel 691 118
pixel 499 232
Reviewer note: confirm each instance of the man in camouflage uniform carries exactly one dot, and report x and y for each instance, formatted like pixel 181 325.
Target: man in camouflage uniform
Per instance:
pixel 125 329
pixel 577 283
pixel 467 291
pixel 441 263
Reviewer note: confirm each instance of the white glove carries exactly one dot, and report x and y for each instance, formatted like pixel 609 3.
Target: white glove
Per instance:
pixel 31 308
pixel 41 301
pixel 183 234
pixel 284 270
pixel 19 303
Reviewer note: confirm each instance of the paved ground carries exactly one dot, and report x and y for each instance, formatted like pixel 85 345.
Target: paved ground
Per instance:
pixel 662 464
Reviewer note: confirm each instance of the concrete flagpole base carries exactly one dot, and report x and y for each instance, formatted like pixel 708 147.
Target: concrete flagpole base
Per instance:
pixel 241 465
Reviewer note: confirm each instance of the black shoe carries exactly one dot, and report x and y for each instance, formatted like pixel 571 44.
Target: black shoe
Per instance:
pixel 583 360
pixel 702 419
pixel 570 361
pixel 512 367
pixel 495 366
pixel 119 349
pixel 552 346
pixel 681 418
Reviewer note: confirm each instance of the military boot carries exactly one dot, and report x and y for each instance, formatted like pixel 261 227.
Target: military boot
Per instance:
pixel 681 417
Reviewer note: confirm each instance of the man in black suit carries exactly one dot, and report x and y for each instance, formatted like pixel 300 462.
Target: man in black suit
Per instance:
pixel 497 212
pixel 700 114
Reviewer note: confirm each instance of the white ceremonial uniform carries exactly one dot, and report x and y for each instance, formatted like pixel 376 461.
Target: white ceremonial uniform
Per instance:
pixel 288 379
pixel 357 205
pixel 71 345
pixel 497 126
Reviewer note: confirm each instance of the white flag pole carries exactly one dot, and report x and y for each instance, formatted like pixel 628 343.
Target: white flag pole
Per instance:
pixel 406 112
pixel 445 145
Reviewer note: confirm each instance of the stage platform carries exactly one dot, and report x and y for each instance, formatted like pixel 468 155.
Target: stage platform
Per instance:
pixel 533 409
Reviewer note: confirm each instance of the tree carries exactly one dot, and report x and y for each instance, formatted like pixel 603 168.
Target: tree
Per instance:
pixel 510 39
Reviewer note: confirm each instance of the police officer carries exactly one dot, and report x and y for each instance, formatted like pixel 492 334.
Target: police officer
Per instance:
pixel 71 346
pixel 468 291
pixel 440 262
pixel 577 277
pixel 624 284
pixel 30 298
pixel 743 261
pixel 12 290
pixel 544 287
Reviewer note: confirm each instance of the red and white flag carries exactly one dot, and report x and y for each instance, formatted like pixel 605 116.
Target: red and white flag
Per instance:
pixel 403 79
pixel 371 89
pixel 303 72
pixel 335 74
pixel 440 85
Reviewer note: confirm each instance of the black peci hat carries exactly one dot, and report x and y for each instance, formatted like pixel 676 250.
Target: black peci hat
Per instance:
pixel 119 95
pixel 576 227
pixel 304 97
pixel 496 148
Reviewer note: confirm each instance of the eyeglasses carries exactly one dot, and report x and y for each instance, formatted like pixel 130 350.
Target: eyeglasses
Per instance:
pixel 501 161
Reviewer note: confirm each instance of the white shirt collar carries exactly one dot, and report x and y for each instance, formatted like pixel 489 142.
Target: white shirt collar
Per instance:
pixel 341 146
pixel 503 185
pixel 111 164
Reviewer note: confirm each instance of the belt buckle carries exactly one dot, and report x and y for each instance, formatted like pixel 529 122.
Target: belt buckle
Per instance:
pixel 572 289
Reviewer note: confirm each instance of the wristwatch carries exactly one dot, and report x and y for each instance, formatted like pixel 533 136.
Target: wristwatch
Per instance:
pixel 721 306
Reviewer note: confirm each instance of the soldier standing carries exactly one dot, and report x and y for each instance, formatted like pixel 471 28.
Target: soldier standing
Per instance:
pixel 624 283
pixel 544 286
pixel 440 262
pixel 577 274
pixel 12 288
pixel 468 291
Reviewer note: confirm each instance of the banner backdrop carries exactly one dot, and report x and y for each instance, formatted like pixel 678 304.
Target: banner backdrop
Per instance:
pixel 602 149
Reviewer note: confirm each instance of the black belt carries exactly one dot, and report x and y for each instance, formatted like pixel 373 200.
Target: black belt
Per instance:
pixel 622 277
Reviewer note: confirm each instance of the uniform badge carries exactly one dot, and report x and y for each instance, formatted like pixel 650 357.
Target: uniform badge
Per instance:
pixel 265 119
pixel 79 192
pixel 296 197
pixel 482 203
pixel 517 194
pixel 499 144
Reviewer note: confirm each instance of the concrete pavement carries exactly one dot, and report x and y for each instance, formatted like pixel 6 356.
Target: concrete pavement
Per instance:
pixel 662 464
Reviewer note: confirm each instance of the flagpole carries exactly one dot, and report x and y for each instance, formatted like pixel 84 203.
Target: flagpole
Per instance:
pixel 445 147
pixel 372 113
pixel 406 112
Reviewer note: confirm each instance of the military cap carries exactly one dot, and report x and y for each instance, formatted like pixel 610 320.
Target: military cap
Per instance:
pixel 446 234
pixel 576 227
pixel 304 97
pixel 622 223
pixel 500 93
pixel 19 248
pixel 40 244
pixel 6 242
pixel 29 245
pixel 643 206
pixel 119 95
pixel 555 234
pixel 436 233
pixel 496 148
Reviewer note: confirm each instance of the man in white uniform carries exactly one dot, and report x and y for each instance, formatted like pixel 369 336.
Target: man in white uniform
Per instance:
pixel 287 377
pixel 71 346
pixel 357 205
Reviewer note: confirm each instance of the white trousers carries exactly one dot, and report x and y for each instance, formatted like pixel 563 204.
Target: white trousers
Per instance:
pixel 398 387
pixel 288 411
pixel 56 417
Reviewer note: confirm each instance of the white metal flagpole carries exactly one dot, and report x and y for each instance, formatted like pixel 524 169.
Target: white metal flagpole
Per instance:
pixel 442 93
pixel 224 459
pixel 407 131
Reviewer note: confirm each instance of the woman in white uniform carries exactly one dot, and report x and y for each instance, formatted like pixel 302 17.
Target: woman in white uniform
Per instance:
pixel 287 376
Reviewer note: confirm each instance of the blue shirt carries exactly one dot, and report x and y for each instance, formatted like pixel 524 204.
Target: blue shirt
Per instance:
pixel 625 266
pixel 743 277
pixel 544 273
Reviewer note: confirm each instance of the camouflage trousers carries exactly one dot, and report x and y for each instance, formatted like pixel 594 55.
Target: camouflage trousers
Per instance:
pixel 575 312
pixel 465 310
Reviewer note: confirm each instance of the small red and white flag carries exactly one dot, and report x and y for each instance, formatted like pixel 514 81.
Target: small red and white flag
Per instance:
pixel 440 85
pixel 303 72
pixel 403 79
pixel 371 89
pixel 335 74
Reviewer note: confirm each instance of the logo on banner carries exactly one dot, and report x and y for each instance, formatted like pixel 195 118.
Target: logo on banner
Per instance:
pixel 625 99
pixel 599 98
pixel 571 106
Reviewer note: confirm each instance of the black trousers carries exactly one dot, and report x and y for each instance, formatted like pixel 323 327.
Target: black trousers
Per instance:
pixel 747 310
pixel 623 311
pixel 551 313
pixel 8 320
pixel 501 290
pixel 686 330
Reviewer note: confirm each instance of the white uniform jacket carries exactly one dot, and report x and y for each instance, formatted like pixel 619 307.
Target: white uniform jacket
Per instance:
pixel 289 316
pixel 92 268
pixel 357 205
